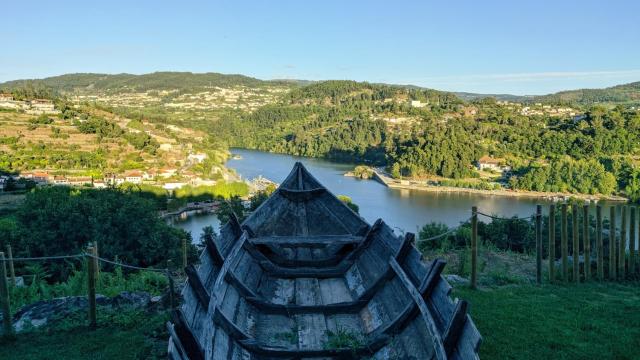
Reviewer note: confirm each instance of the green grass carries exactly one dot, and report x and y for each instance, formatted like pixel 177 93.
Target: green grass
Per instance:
pixel 120 335
pixel 587 321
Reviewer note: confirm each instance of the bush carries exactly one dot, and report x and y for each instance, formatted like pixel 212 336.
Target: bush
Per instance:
pixel 64 220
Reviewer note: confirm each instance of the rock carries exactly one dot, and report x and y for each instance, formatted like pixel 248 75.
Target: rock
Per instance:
pixel 41 312
pixel 136 299
pixel 456 279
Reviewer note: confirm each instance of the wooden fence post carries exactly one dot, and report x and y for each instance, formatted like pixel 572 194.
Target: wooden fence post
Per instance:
pixel 586 242
pixel 474 247
pixel 91 276
pixel 184 253
pixel 622 255
pixel 95 253
pixel 575 242
pixel 599 243
pixel 172 301
pixel 4 298
pixel 632 240
pixel 12 270
pixel 539 244
pixel 612 243
pixel 552 243
pixel 564 246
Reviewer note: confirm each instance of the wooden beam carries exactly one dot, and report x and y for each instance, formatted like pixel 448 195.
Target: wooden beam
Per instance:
pixel 197 286
pixel 235 225
pixel 407 244
pixel 318 241
pixel 214 252
pixel 301 195
pixel 239 285
pixel 185 337
pixel 349 307
pixel 438 345
pixel 455 327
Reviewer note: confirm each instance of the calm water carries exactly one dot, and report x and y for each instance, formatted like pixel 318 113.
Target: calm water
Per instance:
pixel 404 209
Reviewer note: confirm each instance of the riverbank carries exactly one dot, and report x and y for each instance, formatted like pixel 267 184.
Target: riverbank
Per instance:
pixel 553 196
pixel 199 207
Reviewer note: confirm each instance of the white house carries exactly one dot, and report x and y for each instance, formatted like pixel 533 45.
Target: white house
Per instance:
pixel 196 158
pixel 417 104
pixel 488 163
pixel 134 177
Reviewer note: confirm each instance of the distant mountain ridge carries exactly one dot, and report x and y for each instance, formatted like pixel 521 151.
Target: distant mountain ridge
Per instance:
pixel 152 81
pixel 89 82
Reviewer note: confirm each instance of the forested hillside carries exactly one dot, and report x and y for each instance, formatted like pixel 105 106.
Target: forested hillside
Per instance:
pixel 561 142
pixel 87 82
pixel 444 137
pixel 626 93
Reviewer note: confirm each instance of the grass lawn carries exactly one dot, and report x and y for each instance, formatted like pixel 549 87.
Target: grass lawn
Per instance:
pixel 587 321
pixel 120 335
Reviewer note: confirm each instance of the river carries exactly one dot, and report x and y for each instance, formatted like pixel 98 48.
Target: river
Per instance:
pixel 404 209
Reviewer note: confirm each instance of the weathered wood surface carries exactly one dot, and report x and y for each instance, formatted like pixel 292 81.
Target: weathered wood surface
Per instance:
pixel 304 267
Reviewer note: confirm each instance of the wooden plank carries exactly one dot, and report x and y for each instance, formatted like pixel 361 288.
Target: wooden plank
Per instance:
pixel 214 252
pixel 186 338
pixel 333 293
pixel 455 327
pixel 301 195
pixel 348 307
pixel 175 351
pixel 312 328
pixel 196 285
pixel 312 241
pixel 440 352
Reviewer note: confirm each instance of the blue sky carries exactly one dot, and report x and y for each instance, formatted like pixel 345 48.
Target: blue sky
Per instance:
pixel 477 46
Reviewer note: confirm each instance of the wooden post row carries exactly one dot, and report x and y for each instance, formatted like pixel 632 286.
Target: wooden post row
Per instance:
pixel 575 241
pixel 599 243
pixel 4 298
pixel 586 242
pixel 552 243
pixel 12 270
pixel 612 243
pixel 564 246
pixel 474 247
pixel 539 244
pixel 91 276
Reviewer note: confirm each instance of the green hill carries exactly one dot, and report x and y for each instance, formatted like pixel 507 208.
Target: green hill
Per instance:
pixel 87 82
pixel 626 93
